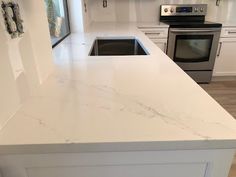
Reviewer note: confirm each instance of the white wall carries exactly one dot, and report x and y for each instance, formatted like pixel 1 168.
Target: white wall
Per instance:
pixel 24 62
pixel 79 17
pixel 148 10
pixel 36 18
pixel 87 13
pixel 224 13
pixel 9 98
pixel 75 15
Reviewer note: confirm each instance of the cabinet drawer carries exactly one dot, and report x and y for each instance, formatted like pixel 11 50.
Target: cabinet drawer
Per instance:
pixel 155 33
pixel 128 170
pixel 228 32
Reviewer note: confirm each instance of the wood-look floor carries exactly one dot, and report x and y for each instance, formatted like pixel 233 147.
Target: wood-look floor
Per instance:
pixel 224 92
pixel 232 172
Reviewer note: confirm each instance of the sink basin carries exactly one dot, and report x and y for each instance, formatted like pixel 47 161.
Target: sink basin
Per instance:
pixel 117 47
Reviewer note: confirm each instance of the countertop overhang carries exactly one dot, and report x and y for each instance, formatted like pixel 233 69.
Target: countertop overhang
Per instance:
pixel 92 103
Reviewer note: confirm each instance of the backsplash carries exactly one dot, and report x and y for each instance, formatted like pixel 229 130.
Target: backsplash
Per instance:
pixel 148 10
pixel 24 61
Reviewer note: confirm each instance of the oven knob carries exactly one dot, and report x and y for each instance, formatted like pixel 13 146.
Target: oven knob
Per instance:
pixel 166 9
pixel 171 10
pixel 201 9
pixel 195 9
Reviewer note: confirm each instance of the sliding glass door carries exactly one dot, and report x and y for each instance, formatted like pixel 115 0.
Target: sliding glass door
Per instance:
pixel 58 20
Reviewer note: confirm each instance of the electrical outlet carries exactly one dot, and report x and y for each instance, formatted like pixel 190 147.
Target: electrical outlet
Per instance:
pixel 104 3
pixel 85 7
pixel 12 18
pixel 218 2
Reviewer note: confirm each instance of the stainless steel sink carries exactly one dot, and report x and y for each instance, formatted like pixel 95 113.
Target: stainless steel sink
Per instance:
pixel 117 47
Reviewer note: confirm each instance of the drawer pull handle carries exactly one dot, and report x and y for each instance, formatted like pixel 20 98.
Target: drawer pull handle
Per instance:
pixel 232 32
pixel 219 51
pixel 143 27
pixel 147 33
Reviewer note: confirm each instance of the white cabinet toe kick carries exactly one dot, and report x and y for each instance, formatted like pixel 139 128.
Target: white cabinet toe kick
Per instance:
pixel 188 163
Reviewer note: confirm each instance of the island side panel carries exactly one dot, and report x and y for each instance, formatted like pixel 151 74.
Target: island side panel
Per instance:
pixel 184 163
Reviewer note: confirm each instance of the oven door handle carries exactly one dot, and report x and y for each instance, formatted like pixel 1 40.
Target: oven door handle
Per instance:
pixel 194 31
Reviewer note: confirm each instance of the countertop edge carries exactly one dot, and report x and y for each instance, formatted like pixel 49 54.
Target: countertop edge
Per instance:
pixel 117 147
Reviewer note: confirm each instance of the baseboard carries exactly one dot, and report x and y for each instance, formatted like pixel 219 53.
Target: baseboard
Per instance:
pixel 224 78
pixel 224 74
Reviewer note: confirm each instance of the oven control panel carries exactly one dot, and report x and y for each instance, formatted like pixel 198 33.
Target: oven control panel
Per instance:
pixel 184 10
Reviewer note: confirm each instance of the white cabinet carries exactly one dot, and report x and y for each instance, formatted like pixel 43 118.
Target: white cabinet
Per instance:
pixel 225 64
pixel 161 43
pixel 228 32
pixel 178 163
pixel 158 35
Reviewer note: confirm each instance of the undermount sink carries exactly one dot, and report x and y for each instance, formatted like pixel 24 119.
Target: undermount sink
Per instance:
pixel 117 47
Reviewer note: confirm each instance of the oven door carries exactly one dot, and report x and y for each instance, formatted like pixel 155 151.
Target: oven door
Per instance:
pixel 193 48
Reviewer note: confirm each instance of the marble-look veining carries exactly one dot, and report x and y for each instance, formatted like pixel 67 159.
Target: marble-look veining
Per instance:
pixel 95 100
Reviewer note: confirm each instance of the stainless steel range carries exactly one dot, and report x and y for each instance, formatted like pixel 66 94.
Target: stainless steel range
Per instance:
pixel 192 41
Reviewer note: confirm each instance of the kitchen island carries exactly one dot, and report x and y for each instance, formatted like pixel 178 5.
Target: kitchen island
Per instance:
pixel 102 116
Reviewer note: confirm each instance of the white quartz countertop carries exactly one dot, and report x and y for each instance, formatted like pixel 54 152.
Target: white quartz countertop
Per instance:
pixel 116 104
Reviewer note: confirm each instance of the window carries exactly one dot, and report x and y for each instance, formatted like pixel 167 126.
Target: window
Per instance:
pixel 58 20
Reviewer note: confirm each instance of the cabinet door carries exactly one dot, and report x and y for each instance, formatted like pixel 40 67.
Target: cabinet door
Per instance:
pixel 225 64
pixel 162 46
pixel 128 170
pixel 161 43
